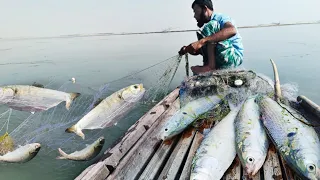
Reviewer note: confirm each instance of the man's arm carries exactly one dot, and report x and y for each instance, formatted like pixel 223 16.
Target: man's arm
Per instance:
pixel 227 31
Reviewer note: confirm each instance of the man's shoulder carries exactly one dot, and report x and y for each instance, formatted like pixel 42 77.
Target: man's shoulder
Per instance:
pixel 222 19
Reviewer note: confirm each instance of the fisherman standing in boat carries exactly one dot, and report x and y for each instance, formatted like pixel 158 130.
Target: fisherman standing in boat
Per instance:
pixel 219 41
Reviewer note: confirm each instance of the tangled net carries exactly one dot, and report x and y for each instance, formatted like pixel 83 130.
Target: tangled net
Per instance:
pixel 47 127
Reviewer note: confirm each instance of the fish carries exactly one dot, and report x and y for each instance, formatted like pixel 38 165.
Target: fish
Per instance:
pixel 217 150
pixel 88 153
pixel 22 154
pixel 187 114
pixel 297 143
pixel 109 110
pixel 34 99
pixel 251 139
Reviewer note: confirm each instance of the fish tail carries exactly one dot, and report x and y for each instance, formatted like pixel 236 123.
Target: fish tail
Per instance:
pixel 63 155
pixel 72 96
pixel 74 129
pixel 71 129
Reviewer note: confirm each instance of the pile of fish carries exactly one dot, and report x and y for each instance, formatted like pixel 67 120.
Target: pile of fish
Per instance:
pixel 256 118
pixel 36 99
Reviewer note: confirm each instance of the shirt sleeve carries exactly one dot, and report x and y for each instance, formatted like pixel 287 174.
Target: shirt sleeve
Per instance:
pixel 224 19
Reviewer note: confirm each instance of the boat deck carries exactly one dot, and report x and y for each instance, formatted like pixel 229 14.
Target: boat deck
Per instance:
pixel 140 155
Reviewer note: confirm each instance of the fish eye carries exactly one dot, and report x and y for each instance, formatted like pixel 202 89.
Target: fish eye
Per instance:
pixel 250 159
pixel 135 86
pixel 166 129
pixel 311 167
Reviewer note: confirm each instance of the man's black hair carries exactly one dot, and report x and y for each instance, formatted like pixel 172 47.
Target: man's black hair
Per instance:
pixel 203 3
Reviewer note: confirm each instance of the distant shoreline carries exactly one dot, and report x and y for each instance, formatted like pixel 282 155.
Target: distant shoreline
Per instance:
pixel 156 32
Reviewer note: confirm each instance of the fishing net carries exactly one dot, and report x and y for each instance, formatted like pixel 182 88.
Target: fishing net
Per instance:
pixel 233 86
pixel 48 127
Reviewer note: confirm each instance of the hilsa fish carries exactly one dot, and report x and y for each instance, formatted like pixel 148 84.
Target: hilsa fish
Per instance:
pixel 22 154
pixel 34 99
pixel 217 150
pixel 109 110
pixel 251 139
pixel 297 143
pixel 88 153
pixel 187 114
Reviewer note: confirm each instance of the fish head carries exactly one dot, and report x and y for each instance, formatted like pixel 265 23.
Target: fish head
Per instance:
pixel 310 168
pixel 253 161
pixel 100 141
pixel 133 91
pixel 34 148
pixel 172 127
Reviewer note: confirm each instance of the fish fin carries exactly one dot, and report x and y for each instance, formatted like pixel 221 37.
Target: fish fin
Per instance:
pixel 74 129
pixel 72 97
pixel 37 85
pixel 63 155
pixel 97 102
pixel 71 129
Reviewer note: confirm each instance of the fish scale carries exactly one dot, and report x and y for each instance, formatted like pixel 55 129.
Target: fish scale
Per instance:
pixel 297 143
pixel 251 138
pixel 187 114
pixel 208 163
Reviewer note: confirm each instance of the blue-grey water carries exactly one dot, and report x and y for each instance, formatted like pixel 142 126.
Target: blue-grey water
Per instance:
pixel 94 61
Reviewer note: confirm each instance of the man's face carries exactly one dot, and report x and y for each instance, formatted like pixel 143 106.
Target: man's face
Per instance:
pixel 200 15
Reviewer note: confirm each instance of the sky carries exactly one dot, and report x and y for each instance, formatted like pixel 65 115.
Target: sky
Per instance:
pixel 39 18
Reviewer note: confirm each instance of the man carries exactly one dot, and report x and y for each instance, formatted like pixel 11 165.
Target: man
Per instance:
pixel 218 39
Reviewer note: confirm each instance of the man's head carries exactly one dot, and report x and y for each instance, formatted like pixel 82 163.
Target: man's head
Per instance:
pixel 202 11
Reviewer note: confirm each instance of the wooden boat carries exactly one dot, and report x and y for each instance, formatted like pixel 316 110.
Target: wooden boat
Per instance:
pixel 140 155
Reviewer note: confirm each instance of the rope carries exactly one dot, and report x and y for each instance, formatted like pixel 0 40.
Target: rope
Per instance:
pixel 306 123
pixel 187 65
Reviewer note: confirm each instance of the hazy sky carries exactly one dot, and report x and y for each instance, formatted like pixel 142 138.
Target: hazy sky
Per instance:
pixel 61 17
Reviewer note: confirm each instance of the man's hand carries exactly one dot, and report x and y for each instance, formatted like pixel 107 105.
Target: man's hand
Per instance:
pixel 182 51
pixel 194 47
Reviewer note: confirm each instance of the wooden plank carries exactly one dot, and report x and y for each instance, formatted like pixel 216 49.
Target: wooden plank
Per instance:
pixel 309 105
pixel 83 173
pixel 246 177
pixel 131 165
pixel 234 171
pixel 287 173
pixel 170 171
pixel 113 155
pixel 194 147
pixel 98 172
pixel 158 160
pixel 271 167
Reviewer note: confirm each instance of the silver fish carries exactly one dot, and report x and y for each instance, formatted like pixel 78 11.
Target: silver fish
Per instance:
pixel 22 154
pixel 85 154
pixel 34 99
pixel 187 114
pixel 217 150
pixel 108 111
pixel 296 142
pixel 251 139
